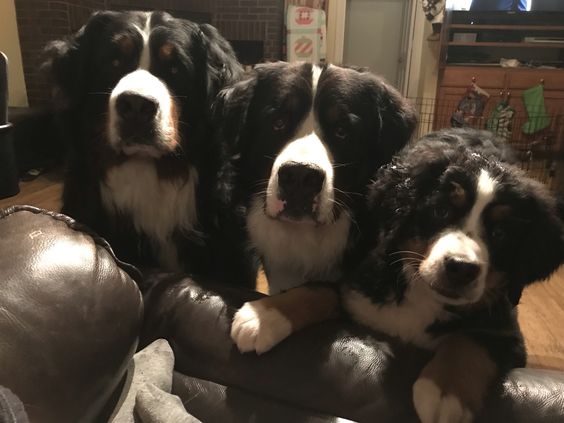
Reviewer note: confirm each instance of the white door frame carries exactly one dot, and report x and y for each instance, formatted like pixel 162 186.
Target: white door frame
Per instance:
pixel 336 17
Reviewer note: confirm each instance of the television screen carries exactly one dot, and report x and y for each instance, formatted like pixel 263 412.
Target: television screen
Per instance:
pixel 507 5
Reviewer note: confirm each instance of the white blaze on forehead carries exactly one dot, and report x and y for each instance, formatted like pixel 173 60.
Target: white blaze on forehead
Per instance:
pixel 485 192
pixel 306 148
pixel 145 59
pixel 315 74
pixel 309 125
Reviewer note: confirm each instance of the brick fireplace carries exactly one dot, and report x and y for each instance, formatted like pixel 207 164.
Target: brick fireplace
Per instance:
pixel 254 26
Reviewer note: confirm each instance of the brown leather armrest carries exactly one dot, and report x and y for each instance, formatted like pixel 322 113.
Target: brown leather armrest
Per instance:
pixel 335 368
pixel 69 315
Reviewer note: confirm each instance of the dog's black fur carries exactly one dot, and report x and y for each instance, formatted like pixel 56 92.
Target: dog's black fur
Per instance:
pixel 361 122
pixel 193 62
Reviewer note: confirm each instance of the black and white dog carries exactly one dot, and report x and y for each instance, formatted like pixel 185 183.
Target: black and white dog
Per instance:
pixel 303 143
pixel 135 91
pixel 459 234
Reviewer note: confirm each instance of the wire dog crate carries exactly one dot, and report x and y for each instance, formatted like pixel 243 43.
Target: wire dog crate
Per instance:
pixel 536 151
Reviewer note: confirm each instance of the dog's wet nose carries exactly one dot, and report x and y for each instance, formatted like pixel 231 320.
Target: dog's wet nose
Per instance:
pixel 300 177
pixel 460 272
pixel 135 107
pixel 298 185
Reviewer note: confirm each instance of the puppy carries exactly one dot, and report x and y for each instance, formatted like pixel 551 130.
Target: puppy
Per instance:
pixel 302 142
pixel 459 234
pixel 134 92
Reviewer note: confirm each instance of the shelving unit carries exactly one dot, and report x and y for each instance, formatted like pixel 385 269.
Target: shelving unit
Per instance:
pixel 472 44
pixel 492 36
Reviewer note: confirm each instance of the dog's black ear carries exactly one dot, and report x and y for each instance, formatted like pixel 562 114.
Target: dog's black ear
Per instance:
pixel 396 115
pixel 223 68
pixel 541 248
pixel 230 118
pixel 230 111
pixel 65 61
pixel 64 67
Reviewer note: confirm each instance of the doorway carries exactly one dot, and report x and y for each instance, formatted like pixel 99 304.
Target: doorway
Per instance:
pixel 376 35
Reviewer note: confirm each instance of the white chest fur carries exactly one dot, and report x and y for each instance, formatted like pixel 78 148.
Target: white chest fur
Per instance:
pixel 294 253
pixel 157 207
pixel 407 320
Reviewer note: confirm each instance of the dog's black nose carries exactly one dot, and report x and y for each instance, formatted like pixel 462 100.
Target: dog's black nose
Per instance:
pixel 294 177
pixel 133 106
pixel 460 272
pixel 298 184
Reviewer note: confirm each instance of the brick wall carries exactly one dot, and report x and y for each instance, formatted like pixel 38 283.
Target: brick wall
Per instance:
pixel 252 20
pixel 40 21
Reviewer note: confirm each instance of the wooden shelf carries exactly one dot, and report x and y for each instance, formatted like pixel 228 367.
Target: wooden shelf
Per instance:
pixel 509 27
pixel 501 44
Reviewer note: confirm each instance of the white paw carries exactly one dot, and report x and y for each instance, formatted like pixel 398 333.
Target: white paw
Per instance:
pixel 433 406
pixel 257 328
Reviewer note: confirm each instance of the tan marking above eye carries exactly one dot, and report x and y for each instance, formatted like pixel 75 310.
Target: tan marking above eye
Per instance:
pixel 125 44
pixel 458 197
pixel 500 212
pixel 166 51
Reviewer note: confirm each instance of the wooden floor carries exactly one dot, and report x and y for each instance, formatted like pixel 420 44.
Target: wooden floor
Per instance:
pixel 541 312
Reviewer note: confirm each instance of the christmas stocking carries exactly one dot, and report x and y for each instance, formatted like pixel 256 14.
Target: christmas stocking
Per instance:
pixel 470 107
pixel 534 103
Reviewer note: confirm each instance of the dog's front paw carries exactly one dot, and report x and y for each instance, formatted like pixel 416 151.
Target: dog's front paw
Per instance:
pixel 258 328
pixel 435 406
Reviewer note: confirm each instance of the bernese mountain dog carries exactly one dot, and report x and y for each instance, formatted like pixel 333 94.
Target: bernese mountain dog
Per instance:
pixel 454 233
pixel 134 91
pixel 302 142
pixel 458 234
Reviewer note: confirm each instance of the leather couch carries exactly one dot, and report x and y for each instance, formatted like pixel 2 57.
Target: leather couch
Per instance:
pixel 71 317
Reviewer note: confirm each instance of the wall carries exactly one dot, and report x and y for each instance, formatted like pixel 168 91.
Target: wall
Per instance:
pixel 41 21
pixel 10 45
pixel 424 60
pixel 374 31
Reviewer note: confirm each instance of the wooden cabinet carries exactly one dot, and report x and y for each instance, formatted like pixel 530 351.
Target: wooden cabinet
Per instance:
pixel 487 37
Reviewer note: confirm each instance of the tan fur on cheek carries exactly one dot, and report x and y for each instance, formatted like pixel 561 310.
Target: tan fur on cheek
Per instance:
pixel 462 368
pixel 304 306
pixel 458 196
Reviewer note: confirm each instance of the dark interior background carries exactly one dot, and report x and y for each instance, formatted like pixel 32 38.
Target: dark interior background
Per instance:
pixel 255 27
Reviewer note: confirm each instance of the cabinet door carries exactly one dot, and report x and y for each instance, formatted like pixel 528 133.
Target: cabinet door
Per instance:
pixel 521 79
pixel 463 76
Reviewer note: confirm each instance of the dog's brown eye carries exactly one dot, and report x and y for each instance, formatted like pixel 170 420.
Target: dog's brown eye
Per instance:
pixel 116 63
pixel 174 70
pixel 341 133
pixel 279 124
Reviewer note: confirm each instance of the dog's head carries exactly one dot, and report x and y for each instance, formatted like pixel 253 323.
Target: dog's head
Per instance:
pixel 464 223
pixel 147 78
pixel 304 139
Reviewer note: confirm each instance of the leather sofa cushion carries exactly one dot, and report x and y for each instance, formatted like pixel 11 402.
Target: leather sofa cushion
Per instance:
pixel 335 368
pixel 69 316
